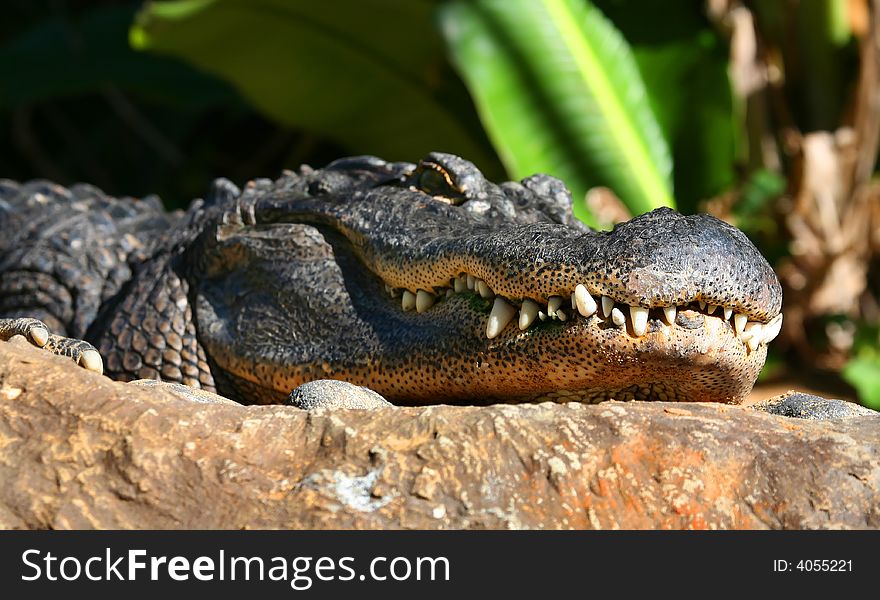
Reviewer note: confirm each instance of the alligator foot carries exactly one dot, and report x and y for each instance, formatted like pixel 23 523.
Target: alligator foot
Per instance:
pixel 36 332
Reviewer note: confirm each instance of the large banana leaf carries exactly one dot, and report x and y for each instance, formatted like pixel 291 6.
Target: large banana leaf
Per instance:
pixel 684 64
pixel 371 76
pixel 559 92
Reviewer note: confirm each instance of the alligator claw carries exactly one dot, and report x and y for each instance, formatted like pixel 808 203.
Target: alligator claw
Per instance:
pixel 33 329
pixel 91 360
pixel 36 332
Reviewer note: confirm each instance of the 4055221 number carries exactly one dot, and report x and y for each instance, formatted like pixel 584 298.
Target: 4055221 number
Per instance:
pixel 824 565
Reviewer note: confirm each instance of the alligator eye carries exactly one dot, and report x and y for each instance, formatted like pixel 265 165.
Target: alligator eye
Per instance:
pixel 432 178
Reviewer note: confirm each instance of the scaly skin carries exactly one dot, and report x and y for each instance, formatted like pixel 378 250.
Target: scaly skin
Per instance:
pixel 359 272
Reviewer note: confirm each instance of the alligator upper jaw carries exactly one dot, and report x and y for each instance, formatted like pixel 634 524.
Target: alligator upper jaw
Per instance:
pixel 633 321
pixel 415 243
pixel 652 266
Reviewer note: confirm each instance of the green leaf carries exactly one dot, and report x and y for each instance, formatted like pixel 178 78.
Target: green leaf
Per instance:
pixel 753 211
pixel 863 373
pixel 863 370
pixel 559 92
pixel 689 87
pixel 684 63
pixel 371 76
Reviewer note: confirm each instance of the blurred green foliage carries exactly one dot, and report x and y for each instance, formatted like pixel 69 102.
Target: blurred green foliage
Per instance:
pixel 372 76
pixel 555 84
pixel 817 40
pixel 683 62
pixel 863 370
pixel 79 104
pixel 244 88
pixel 559 91
pixel 558 88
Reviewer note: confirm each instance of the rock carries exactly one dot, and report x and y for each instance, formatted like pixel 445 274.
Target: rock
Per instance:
pixel 807 406
pixel 80 451
pixel 330 394
pixel 185 392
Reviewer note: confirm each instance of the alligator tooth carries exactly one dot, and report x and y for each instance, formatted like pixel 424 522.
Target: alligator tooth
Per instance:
pixel 501 315
pixel 727 313
pixel 389 290
pixel 702 304
pixel 528 313
pixel 753 334
pixel 554 304
pixel 584 301
pixel 560 314
pixel 739 323
pixel 542 315
pixel 749 329
pixel 459 284
pixel 484 290
pixel 640 320
pixel 771 330
pixel 711 308
pixel 617 317
pixel 449 293
pixel 669 313
pixel 471 281
pixel 607 306
pixel 424 300
pixel 408 301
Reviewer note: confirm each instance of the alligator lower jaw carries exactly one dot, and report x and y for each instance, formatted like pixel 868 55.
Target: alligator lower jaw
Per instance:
pixel 699 358
pixel 444 356
pixel 574 343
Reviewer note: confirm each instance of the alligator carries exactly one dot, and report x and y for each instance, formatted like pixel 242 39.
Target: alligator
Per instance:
pixel 425 282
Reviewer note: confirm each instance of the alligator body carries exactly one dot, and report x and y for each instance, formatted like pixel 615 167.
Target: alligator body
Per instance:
pixel 426 283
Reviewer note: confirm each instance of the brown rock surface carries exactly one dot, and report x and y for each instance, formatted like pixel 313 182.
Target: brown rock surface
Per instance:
pixel 80 451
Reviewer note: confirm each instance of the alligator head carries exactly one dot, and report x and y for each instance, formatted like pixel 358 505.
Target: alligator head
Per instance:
pixel 431 284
